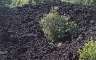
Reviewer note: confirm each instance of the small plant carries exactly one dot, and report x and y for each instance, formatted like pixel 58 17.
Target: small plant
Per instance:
pixel 55 26
pixel 15 3
pixel 88 52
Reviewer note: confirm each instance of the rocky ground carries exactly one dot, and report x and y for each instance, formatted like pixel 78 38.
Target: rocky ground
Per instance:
pixel 21 37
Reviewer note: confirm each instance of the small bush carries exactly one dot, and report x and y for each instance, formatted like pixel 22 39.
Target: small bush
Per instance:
pixel 55 26
pixel 15 3
pixel 88 52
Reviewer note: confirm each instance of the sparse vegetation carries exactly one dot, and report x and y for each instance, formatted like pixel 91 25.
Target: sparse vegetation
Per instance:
pixel 47 29
pixel 15 3
pixel 83 2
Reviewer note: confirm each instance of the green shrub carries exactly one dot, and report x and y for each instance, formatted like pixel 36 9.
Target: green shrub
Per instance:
pixel 55 26
pixel 16 3
pixel 88 52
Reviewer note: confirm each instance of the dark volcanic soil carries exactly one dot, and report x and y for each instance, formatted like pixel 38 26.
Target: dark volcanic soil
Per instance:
pixel 21 37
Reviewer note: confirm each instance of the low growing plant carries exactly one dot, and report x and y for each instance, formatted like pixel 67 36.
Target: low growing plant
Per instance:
pixel 55 26
pixel 88 52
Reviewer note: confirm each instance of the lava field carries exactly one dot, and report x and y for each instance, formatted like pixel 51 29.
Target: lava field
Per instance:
pixel 21 37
